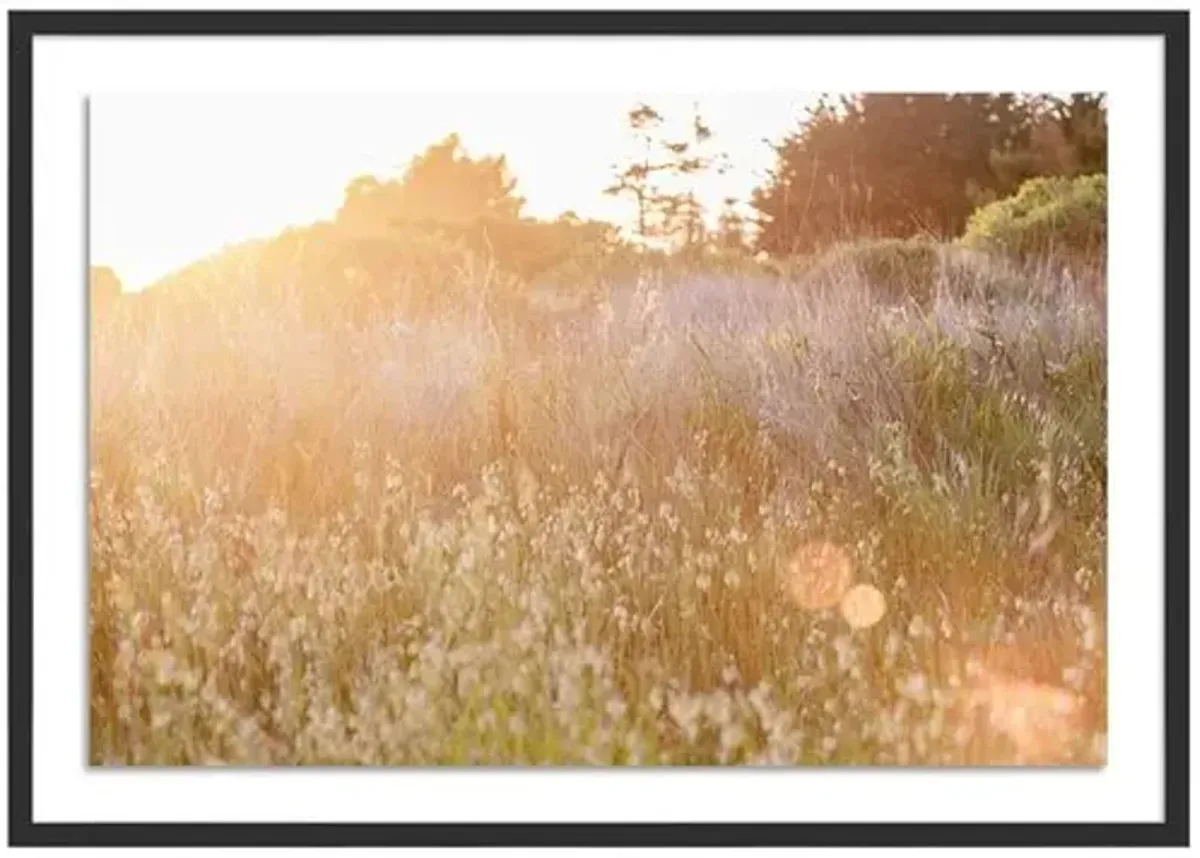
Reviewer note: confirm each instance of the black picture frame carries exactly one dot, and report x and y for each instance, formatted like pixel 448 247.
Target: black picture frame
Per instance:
pixel 24 26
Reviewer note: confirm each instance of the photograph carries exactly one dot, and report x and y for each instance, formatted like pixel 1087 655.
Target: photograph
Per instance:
pixel 598 428
pixel 640 428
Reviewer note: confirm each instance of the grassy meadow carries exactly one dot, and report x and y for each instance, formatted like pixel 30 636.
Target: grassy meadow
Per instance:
pixel 707 511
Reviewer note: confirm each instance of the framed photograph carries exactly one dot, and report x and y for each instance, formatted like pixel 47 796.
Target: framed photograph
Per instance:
pixel 598 428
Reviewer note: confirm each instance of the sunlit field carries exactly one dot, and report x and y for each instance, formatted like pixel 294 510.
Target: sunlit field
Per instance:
pixel 811 475
pixel 703 511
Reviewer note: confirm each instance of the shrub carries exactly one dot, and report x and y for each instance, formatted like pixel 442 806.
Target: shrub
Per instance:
pixel 892 269
pixel 1048 216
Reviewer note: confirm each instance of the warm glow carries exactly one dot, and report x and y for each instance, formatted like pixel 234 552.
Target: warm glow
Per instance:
pixel 818 575
pixel 478 465
pixel 863 606
pixel 1041 721
pixel 176 178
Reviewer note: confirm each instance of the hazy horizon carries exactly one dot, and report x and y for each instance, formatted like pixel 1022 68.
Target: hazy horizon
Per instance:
pixel 174 179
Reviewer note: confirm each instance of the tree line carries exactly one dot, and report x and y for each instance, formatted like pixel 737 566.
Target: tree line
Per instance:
pixel 902 165
pixel 881 165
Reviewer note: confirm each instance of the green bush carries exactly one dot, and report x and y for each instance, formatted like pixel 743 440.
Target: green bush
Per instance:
pixel 891 268
pixel 1047 216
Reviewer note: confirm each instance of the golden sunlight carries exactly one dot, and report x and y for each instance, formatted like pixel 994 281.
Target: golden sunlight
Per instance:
pixel 819 574
pixel 174 179
pixel 531 430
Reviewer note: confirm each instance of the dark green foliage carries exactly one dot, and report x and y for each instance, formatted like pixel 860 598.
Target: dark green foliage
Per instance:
pixel 1067 137
pixel 883 164
pixel 902 165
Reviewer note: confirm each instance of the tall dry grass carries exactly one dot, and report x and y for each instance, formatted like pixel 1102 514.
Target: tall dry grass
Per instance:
pixel 709 517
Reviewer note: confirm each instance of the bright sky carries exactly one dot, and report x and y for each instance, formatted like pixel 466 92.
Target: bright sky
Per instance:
pixel 174 178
